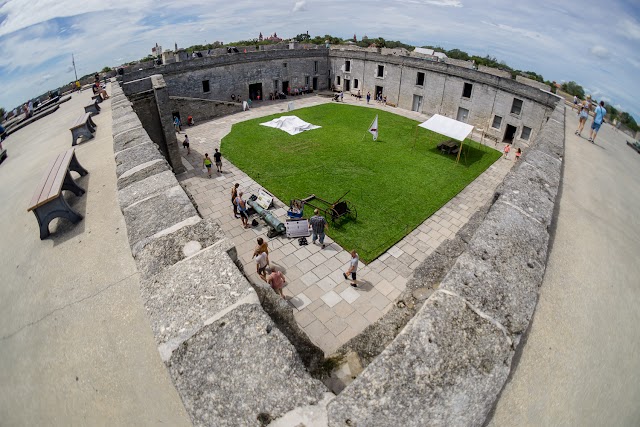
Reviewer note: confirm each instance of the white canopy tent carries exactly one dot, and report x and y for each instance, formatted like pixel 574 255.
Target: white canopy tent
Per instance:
pixel 290 124
pixel 449 127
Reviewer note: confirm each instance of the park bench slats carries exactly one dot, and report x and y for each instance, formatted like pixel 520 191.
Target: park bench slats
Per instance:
pixel 83 127
pixel 48 201
pixel 44 189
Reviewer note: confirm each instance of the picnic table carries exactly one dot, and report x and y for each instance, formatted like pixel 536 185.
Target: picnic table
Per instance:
pixel 48 202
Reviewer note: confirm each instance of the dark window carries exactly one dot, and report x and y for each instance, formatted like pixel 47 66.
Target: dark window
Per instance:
pixel 497 122
pixel 420 79
pixel 347 66
pixel 355 83
pixel 315 66
pixel 466 92
pixel 337 80
pixel 516 107
pixel 380 71
pixel 306 80
pixel 526 133
pixel 275 84
pixel 205 85
pixel 284 64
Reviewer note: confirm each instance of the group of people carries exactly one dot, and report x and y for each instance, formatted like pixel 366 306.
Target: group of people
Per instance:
pixel 507 150
pixel 318 226
pixel 584 108
pixel 206 162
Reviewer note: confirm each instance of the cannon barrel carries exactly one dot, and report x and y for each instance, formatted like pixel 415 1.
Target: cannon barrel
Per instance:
pixel 268 217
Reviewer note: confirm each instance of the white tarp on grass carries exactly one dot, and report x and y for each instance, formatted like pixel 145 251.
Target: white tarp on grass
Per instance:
pixel 290 124
pixel 448 127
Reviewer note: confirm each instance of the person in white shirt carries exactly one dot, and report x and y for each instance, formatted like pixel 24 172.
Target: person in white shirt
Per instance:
pixel 353 268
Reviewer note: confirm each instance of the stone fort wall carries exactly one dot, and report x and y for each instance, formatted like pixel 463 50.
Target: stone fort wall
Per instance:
pixel 492 103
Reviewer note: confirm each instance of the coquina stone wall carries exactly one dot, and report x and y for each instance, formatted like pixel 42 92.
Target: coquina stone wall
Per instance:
pixel 228 360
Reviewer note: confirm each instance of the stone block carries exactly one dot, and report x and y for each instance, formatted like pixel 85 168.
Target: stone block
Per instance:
pixel 241 371
pixel 157 213
pixel 444 369
pixel 532 190
pixel 503 268
pixel 135 156
pixel 130 138
pixel 141 172
pixel 146 188
pixel 124 125
pixel 156 253
pixel 181 299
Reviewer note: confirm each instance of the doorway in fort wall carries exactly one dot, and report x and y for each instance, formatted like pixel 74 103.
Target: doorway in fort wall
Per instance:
pixel 255 91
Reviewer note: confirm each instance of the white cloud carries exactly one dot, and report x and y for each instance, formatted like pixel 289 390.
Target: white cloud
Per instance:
pixel 600 51
pixel 446 3
pixel 300 6
pixel 630 29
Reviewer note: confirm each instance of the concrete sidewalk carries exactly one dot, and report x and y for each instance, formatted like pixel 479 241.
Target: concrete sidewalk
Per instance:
pixel 580 365
pixel 76 347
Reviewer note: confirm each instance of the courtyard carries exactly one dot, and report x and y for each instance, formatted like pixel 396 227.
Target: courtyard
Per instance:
pixel 329 310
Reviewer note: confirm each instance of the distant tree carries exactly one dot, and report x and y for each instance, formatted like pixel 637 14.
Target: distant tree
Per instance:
pixel 535 76
pixel 573 88
pixel 612 112
pixel 106 70
pixel 2 111
pixel 627 120
pixel 457 54
pixel 304 37
pixel 148 58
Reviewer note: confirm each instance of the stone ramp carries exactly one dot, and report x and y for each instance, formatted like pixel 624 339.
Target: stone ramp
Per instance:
pixel 228 359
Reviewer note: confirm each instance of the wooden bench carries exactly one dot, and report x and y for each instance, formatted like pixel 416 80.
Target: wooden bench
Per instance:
pixel 92 108
pixel 97 98
pixel 48 201
pixel 83 127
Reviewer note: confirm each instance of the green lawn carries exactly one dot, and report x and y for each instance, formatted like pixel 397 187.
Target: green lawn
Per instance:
pixel 393 185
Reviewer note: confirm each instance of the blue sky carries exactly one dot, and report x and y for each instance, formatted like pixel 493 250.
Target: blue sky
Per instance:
pixel 592 42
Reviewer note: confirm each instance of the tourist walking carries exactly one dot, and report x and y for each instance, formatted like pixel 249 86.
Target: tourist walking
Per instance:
pixel 507 148
pixel 585 107
pixel 242 209
pixel 353 268
pixel 368 97
pixel 176 124
pixel 598 119
pixel 262 247
pixel 318 226
pixel 217 156
pixel 341 96
pixel 206 163
pixel 185 144
pixel 276 280
pixel 575 102
pixel 518 154
pixel 261 265
pixel 234 194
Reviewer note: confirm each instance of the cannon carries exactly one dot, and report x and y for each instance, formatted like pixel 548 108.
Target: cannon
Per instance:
pixel 275 226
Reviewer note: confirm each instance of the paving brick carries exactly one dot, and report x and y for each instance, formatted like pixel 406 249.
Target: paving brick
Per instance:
pixel 384 287
pixel 304 317
pixel 324 313
pixel 350 294
pixel 327 284
pixel 343 309
pixel 336 325
pixel 331 298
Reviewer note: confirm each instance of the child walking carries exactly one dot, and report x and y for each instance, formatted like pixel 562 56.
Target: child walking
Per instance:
pixel 518 154
pixel 353 268
pixel 507 148
pixel 207 163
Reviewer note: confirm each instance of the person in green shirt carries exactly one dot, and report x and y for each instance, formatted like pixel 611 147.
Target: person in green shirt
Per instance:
pixel 206 162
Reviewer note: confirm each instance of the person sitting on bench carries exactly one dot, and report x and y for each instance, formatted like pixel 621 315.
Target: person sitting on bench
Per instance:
pixel 98 90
